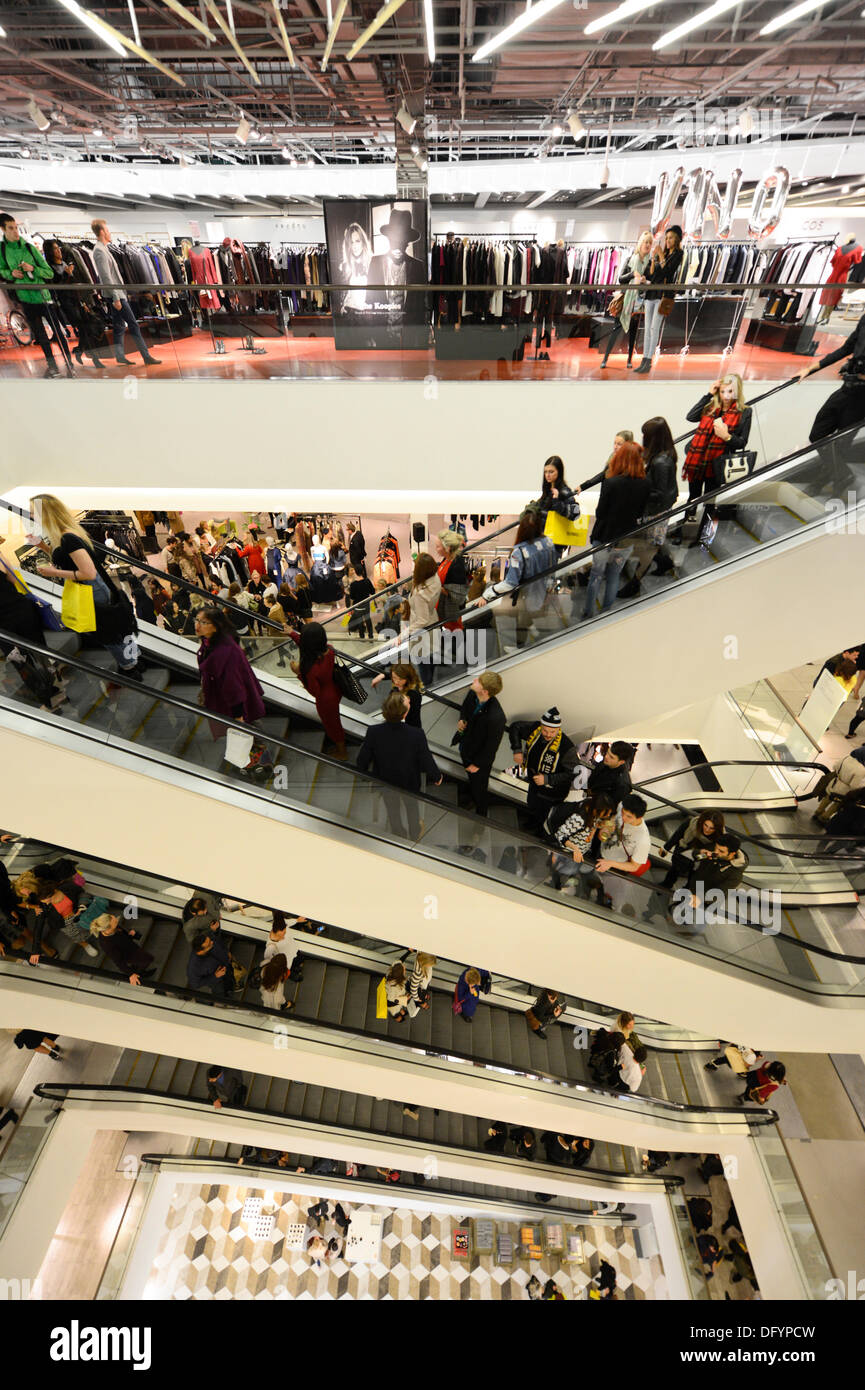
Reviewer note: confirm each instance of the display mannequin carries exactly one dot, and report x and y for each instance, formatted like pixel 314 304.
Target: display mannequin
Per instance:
pixel 848 254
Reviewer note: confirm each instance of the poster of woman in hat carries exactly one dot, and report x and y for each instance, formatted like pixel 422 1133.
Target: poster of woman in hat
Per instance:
pixel 379 244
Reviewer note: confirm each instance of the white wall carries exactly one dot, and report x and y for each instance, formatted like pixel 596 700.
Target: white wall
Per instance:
pixel 397 446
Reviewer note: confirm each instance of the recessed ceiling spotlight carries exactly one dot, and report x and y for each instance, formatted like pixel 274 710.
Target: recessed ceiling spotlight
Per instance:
pixel 310 162
pixel 97 132
pixel 557 131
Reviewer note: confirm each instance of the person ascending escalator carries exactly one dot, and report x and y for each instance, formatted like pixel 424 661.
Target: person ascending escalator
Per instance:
pixel 846 406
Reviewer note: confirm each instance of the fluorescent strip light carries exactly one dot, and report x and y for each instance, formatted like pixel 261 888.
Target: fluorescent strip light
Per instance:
pixel 430 31
pixel 621 12
pixel 697 21
pixel 134 17
pixel 233 41
pixel 332 32
pixel 230 17
pixel 790 16
pixel 381 18
pixel 94 25
pixel 528 16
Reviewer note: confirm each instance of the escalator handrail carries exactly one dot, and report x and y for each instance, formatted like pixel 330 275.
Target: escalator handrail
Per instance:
pixel 761 1117
pixel 481 822
pixel 644 1103
pixel 156 1160
pixel 586 556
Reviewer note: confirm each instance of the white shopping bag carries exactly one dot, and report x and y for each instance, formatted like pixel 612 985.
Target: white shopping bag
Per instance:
pixel 238 747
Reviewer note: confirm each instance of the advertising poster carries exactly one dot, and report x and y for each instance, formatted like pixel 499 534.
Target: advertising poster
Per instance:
pixel 372 243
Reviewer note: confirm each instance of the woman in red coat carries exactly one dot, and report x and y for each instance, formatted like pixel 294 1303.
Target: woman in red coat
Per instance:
pixel 315 669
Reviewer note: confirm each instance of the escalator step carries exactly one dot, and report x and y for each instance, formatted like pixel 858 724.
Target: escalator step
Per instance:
pixel 333 994
pixel 359 1002
pixel 329 1107
pixel 312 1102
pixel 363 1112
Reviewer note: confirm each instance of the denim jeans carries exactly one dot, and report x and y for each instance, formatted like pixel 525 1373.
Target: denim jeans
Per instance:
pixel 653 327
pixel 121 320
pixel 609 563
pixel 125 653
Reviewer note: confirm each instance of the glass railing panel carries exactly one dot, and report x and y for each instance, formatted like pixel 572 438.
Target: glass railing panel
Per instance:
pixel 804 1241
pixel 692 1261
pixel 127 1234
pixel 18 1158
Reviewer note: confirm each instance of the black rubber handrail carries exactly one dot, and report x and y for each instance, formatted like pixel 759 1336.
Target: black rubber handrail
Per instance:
pixel 760 1117
pixel 260 1011
pixel 480 822
pixel 376 1184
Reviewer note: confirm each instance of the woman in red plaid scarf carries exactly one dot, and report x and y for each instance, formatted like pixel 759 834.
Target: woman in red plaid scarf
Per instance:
pixel 723 428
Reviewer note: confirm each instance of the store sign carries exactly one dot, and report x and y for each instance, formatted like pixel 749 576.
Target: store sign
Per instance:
pixel 704 199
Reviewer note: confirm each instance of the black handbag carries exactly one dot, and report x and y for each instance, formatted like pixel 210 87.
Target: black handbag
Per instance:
pixel 347 683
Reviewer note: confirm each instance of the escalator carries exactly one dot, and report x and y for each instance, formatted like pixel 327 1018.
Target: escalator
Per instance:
pixel 338 826
pixel 337 993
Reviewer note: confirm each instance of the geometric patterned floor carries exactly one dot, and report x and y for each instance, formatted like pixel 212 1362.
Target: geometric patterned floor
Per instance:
pixel 207 1252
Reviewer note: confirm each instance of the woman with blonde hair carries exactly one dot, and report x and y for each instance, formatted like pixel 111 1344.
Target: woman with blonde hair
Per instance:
pixel 419 984
pixel 73 558
pixel 632 302
pixel 354 267
pixel 723 425
pixel 122 949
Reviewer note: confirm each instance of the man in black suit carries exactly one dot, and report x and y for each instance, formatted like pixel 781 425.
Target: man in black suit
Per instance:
pixel 479 732
pixel 398 268
pixel 398 753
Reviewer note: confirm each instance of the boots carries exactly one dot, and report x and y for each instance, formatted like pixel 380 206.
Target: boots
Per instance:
pixel 339 752
pixel 645 367
pixel 631 589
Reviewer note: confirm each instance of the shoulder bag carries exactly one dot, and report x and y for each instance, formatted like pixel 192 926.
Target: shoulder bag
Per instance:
pixel 47 616
pixel 347 683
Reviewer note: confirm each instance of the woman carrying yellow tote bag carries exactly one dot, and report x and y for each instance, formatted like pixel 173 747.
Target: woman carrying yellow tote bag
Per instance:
pixel 78 610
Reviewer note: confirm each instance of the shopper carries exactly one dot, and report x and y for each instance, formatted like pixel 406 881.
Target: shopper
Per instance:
pixel 397 991
pixel 24 266
pixel 453 577
pixel 621 437
pixel 480 730
pixel 573 825
pixel 623 500
pixel 603 1059
pixel 762 1083
pixel 360 590
pixel 549 759
pixel 225 1087
pixel 527 583
pixel 281 941
pixel 20 616
pixel 74 558
pixel 122 949
pixel 37 1041
pixel 660 457
pixel 628 849
pixel 612 775
pixel 845 408
pixel 723 427
pixel 524 1142
pixel 497 1137
pixel 556 496
pixel 399 755
pixel 720 870
pixel 557 1148
pixel 547 1008
pixel 699 832
pixel 738 1057
pixel 229 687
pixel 419 991
pixel 274 973
pixel 631 1064
pixel 470 986
pixel 581 1152
pixel 664 269
pixel 122 317
pixel 424 596
pixel 633 301
pixel 314 666
pixel 77 307
pixel 405 678
pixel 209 966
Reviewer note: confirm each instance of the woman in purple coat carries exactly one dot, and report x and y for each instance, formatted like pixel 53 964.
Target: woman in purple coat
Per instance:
pixel 470 986
pixel 228 683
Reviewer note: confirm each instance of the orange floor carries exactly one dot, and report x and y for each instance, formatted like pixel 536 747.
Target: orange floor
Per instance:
pixel 193 358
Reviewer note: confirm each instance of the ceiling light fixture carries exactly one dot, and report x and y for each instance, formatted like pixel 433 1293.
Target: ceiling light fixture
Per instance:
pixel 381 18
pixel 406 119
pixel 243 131
pixel 332 32
pixel 134 18
pixel 430 31
pixel 95 25
pixel 37 116
pixel 310 162
pixel 97 132
pixel 557 131
pixel 575 125
pixel 697 21
pixel 286 152
pixel 616 16
pixel 790 16
pixel 529 16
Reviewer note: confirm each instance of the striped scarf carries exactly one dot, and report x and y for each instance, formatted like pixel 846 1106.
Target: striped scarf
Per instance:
pixel 549 755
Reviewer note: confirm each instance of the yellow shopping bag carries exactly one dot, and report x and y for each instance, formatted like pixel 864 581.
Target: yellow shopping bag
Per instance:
pixel 78 611
pixel 564 532
pixel 381 999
